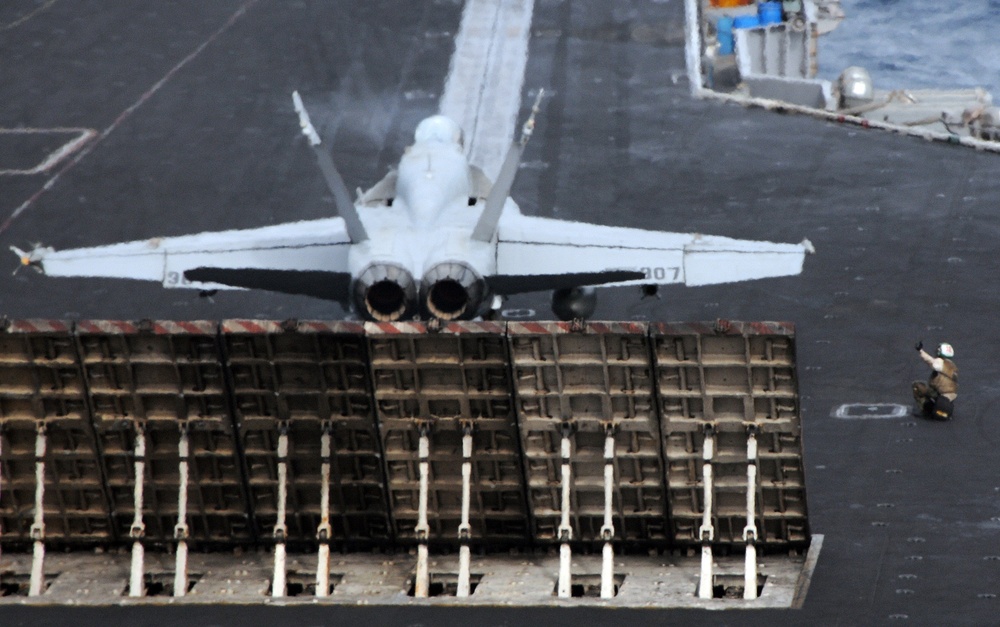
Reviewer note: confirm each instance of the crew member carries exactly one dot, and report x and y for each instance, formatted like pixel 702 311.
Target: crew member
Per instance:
pixel 935 398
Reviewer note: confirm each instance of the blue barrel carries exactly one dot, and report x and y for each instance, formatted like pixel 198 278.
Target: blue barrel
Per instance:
pixel 769 12
pixel 724 28
pixel 746 21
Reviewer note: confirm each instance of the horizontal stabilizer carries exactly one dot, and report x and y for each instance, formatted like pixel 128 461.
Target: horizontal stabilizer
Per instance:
pixel 520 284
pixel 713 260
pixel 313 245
pixel 528 243
pixel 315 283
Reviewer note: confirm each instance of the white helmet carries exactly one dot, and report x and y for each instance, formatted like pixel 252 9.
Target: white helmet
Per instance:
pixel 946 350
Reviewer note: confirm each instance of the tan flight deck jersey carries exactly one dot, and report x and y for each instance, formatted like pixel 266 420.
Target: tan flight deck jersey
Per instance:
pixel 944 379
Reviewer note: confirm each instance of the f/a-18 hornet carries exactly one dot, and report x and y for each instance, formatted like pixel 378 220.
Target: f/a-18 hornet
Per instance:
pixel 435 239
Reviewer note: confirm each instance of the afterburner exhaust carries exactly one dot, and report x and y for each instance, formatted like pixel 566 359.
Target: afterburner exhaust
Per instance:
pixel 452 291
pixel 385 292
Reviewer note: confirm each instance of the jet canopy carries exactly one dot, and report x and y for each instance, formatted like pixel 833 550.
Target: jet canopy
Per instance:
pixel 438 128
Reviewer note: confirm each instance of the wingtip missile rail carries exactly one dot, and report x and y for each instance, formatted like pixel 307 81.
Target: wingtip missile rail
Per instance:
pixel 32 258
pixel 529 124
pixel 307 128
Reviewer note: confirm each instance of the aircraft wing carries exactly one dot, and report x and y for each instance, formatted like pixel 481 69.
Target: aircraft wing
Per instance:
pixel 530 246
pixel 308 257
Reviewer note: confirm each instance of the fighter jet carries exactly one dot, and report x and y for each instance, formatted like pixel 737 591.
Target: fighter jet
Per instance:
pixel 433 239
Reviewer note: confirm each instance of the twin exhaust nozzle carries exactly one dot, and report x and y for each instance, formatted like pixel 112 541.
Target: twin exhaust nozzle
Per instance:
pixel 448 291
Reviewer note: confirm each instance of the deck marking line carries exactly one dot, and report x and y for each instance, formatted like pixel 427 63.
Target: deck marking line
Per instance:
pixel 26 17
pixel 83 135
pixel 483 89
pixel 870 411
pixel 127 113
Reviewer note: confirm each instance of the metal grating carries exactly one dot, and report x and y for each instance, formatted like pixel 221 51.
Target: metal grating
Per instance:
pixel 586 380
pixel 374 388
pixel 307 377
pixel 162 377
pixel 442 381
pixel 731 376
pixel 41 386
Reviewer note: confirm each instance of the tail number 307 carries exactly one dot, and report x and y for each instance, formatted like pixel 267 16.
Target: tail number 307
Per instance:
pixel 661 274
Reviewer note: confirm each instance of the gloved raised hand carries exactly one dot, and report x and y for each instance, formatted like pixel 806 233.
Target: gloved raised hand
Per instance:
pixel 920 345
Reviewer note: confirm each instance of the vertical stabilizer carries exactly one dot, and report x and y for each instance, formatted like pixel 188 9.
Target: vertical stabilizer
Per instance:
pixel 487 226
pixel 341 197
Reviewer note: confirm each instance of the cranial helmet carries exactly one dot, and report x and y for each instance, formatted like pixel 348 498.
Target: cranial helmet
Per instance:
pixel 945 350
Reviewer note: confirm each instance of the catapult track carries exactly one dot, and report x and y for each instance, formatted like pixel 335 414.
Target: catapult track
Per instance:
pixel 246 433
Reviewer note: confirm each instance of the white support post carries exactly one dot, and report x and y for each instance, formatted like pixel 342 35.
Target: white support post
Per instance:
pixel 608 528
pixel 465 529
pixel 692 46
pixel 137 584
pixel 37 569
pixel 564 588
pixel 181 529
pixel 37 584
pixel 422 585
pixel 278 587
pixel 750 531
pixel 464 571
pixel 324 531
pixel 323 570
pixel 707 531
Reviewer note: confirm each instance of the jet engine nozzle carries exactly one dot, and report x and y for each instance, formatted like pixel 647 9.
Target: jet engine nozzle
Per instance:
pixel 452 291
pixel 385 292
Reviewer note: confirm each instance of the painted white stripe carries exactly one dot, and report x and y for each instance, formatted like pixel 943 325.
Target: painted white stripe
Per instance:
pixel 24 18
pixel 483 89
pixel 82 136
pixel 149 93
pixel 870 411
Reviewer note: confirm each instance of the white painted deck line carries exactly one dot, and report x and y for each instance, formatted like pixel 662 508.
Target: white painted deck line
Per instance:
pixel 82 136
pixel 871 411
pixel 483 88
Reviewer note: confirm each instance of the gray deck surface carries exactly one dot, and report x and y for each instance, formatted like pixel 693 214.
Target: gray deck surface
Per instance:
pixel 520 580
pixel 905 232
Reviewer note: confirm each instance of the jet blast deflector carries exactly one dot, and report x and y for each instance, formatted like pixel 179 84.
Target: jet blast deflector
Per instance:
pixel 234 386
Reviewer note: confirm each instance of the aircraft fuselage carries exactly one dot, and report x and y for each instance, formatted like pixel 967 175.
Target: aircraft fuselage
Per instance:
pixel 419 257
